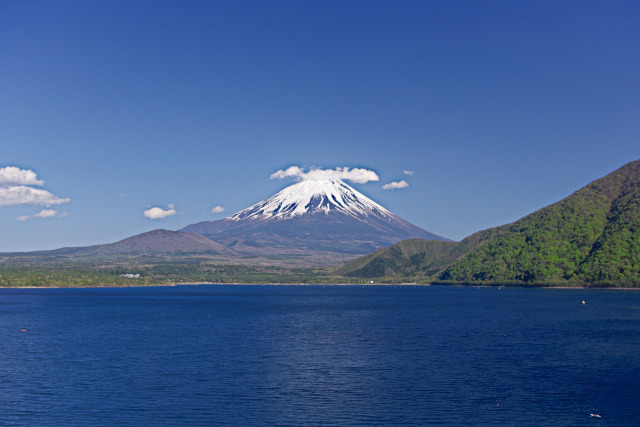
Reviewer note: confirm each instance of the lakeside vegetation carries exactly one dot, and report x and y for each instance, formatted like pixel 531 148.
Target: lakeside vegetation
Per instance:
pixel 165 274
pixel 169 273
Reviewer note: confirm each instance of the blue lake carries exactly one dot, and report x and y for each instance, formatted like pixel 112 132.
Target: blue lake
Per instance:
pixel 319 355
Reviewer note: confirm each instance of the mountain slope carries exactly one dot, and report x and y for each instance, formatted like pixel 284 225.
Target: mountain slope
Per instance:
pixel 311 217
pixel 590 237
pixel 412 257
pixel 615 256
pixel 159 241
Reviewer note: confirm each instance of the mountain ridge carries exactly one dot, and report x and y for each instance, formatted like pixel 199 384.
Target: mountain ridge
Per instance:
pixel 311 217
pixel 158 241
pixel 591 237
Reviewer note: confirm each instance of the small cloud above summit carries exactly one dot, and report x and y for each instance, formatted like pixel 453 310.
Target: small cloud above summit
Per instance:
pixel 356 175
pixel 217 209
pixel 396 185
pixel 408 172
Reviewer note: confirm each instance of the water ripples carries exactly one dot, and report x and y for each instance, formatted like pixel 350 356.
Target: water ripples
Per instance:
pixel 221 355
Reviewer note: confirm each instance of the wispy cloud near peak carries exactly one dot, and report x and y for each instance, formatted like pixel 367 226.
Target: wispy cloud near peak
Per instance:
pixel 217 209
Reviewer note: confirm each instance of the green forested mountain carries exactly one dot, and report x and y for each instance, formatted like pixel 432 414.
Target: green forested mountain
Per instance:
pixel 615 256
pixel 589 238
pixel 410 259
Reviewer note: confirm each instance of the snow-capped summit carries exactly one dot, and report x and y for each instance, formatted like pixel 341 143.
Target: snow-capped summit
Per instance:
pixel 324 218
pixel 308 197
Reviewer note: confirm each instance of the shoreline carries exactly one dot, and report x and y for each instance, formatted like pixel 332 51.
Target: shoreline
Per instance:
pixel 328 284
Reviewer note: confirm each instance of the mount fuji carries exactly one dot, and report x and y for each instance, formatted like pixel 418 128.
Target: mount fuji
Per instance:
pixel 311 218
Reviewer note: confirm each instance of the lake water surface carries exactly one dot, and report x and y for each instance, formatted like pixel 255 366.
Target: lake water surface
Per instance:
pixel 319 355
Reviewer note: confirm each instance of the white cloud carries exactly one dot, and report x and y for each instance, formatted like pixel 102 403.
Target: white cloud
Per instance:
pixel 356 175
pixel 395 185
pixel 408 172
pixel 46 213
pixel 22 195
pixel 12 175
pixel 292 171
pixel 16 188
pixel 159 213
pixel 217 209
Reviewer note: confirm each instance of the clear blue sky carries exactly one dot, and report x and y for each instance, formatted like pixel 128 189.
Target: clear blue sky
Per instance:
pixel 499 108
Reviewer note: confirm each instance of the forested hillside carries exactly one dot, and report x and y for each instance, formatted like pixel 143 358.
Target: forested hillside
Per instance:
pixel 591 237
